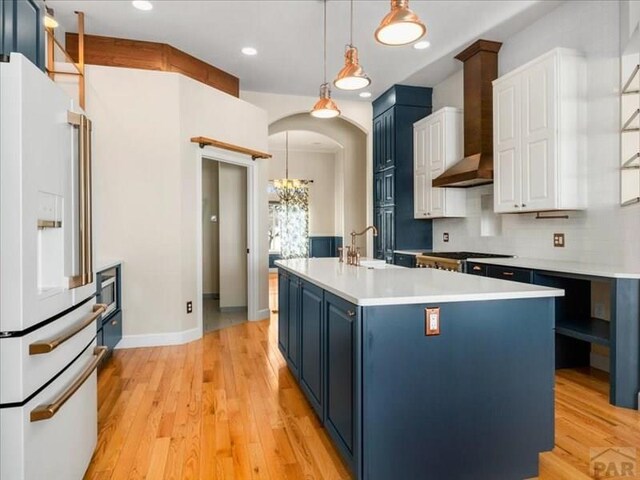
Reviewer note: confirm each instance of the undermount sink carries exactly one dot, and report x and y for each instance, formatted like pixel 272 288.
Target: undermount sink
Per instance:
pixel 373 263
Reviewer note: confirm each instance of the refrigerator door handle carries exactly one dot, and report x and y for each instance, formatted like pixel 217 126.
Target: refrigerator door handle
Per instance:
pixel 45 412
pixel 85 237
pixel 46 346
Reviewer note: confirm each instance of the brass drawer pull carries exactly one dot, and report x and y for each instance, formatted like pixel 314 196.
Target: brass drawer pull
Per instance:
pixel 351 313
pixel 507 274
pixel 45 412
pixel 46 346
pixel 476 268
pixel 114 322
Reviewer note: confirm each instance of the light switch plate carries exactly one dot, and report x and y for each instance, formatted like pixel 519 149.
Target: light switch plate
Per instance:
pixel 445 237
pixel 558 240
pixel 432 321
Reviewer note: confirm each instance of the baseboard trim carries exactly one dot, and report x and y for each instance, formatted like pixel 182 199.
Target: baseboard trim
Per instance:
pixel 233 309
pixel 159 339
pixel 601 362
pixel 262 315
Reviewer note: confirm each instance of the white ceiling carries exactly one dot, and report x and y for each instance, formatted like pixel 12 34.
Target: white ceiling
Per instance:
pixel 303 140
pixel 288 36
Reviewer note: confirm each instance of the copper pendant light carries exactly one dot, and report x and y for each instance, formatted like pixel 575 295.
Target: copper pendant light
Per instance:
pixel 49 18
pixel 352 76
pixel 400 26
pixel 325 107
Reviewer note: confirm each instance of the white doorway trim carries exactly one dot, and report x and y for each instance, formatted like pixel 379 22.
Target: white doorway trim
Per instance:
pixel 253 273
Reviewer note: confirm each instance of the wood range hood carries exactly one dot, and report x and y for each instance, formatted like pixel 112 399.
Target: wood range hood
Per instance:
pixel 480 69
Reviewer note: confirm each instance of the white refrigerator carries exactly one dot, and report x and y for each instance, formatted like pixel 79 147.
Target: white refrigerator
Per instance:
pixel 48 311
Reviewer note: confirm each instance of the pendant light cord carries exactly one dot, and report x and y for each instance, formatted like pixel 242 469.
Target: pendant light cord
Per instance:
pixel 286 161
pixel 351 32
pixel 325 41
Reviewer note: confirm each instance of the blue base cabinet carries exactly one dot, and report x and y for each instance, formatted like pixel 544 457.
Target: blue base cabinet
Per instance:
pixel 312 345
pixel 289 320
pixel 399 404
pixel 342 371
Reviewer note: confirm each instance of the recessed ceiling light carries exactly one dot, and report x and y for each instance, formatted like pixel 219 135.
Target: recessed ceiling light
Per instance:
pixel 249 51
pixel 142 5
pixel 422 45
pixel 365 94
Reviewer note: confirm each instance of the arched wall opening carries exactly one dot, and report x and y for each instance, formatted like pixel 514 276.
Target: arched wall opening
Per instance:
pixel 350 212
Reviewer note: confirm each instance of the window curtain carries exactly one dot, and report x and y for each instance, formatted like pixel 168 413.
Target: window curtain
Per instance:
pixel 293 216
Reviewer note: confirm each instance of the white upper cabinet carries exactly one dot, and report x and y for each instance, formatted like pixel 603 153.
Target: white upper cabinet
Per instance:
pixel 539 136
pixel 438 144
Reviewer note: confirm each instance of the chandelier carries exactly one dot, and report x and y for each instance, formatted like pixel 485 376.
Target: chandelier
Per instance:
pixel 293 212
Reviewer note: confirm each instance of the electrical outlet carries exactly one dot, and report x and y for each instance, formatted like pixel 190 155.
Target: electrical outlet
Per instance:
pixel 189 307
pixel 445 237
pixel 432 321
pixel 558 240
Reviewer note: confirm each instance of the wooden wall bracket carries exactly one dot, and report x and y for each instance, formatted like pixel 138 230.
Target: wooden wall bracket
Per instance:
pixel 210 142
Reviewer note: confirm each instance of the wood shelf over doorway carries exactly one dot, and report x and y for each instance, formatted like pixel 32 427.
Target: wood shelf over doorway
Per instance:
pixel 210 142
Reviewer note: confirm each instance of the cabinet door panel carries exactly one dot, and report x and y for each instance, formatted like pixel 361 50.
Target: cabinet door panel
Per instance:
pixel 388 187
pixel 293 350
pixel 435 145
pixel 378 241
pixel 389 139
pixel 420 194
pixel 388 222
pixel 538 134
pixel 437 199
pixel 341 321
pixel 419 154
pixel 283 312
pixel 378 189
pixel 507 169
pixel 311 343
pixel 378 143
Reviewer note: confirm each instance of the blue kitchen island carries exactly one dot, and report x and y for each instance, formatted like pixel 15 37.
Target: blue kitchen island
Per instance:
pixel 422 373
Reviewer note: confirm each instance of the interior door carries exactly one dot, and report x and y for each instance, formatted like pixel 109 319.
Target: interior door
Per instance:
pixel 539 176
pixel 506 145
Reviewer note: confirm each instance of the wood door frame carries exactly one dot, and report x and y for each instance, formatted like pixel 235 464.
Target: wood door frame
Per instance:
pixel 253 273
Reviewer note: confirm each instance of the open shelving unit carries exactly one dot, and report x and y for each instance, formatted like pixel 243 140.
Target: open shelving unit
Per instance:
pixel 592 330
pixel 630 121
pixel 577 329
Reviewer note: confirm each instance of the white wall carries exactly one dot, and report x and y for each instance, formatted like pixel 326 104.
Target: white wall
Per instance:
pixel 352 130
pixel 146 172
pixel 233 238
pixel 605 232
pixel 210 229
pixel 319 167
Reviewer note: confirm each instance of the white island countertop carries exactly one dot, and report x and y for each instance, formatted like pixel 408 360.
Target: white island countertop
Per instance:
pixel 403 286
pixel 563 266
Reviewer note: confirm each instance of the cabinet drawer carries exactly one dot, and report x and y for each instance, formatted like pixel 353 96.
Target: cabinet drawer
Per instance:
pixel 477 269
pixel 112 330
pixel 510 273
pixel 403 260
pixel 68 336
pixel 59 447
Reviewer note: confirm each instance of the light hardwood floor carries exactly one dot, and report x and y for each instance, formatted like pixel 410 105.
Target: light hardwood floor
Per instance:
pixel 226 407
